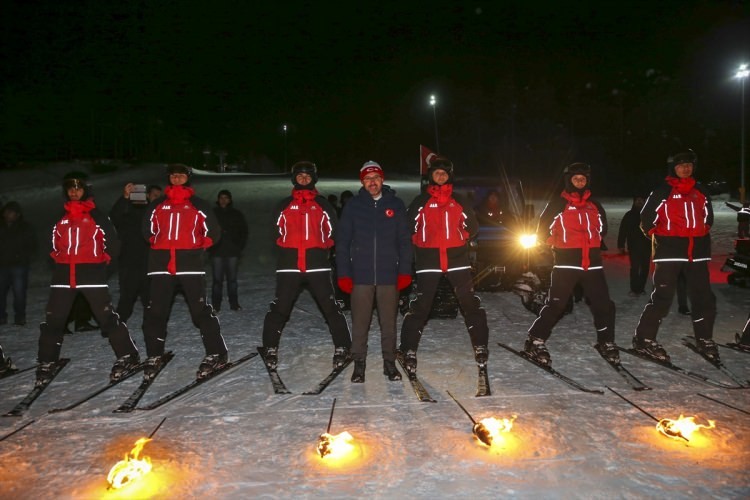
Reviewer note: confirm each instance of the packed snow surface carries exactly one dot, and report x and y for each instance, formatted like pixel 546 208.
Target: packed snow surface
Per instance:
pixel 234 438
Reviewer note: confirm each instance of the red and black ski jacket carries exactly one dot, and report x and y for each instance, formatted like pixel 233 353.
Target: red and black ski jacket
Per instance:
pixel 575 225
pixel 82 241
pixel 678 216
pixel 179 226
pixel 443 223
pixel 304 227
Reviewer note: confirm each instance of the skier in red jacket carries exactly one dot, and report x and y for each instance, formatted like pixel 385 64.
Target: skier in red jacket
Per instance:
pixel 576 225
pixel 83 241
pixel 180 226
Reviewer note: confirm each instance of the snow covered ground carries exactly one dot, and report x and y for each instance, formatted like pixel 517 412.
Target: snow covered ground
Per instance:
pixel 233 438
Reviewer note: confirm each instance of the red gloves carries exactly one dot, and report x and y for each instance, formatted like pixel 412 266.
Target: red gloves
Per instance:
pixel 403 281
pixel 346 284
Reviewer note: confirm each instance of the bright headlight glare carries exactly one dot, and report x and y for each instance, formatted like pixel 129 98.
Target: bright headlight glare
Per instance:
pixel 528 240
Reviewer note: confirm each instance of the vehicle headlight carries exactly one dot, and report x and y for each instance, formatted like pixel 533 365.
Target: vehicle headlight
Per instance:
pixel 528 240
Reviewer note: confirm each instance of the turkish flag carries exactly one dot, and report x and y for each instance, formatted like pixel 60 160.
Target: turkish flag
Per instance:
pixel 425 157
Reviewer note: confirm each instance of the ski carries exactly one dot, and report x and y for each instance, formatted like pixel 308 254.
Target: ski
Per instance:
pixel 716 363
pixel 132 401
pixel 195 383
pixel 326 381
pixel 735 347
pixel 26 402
pixel 17 430
pixel 631 379
pixel 278 384
pixel 483 382
pixel 110 385
pixel 416 384
pixel 551 370
pixel 678 369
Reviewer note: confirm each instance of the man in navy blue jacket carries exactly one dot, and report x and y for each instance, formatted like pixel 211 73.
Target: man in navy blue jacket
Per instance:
pixel 373 259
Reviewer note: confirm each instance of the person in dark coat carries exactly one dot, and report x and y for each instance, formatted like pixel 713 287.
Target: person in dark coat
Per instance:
pixel 631 240
pixel 18 247
pixel 83 243
pixel 575 223
pixel 373 259
pixel 226 253
pixel 678 216
pixel 304 228
pixel 127 216
pixel 442 223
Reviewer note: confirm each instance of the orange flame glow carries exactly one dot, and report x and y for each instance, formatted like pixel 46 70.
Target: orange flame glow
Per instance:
pixel 682 428
pixel 492 430
pixel 131 467
pixel 335 447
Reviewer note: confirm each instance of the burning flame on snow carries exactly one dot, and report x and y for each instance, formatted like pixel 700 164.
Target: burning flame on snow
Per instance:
pixel 335 447
pixel 682 428
pixel 131 467
pixel 490 430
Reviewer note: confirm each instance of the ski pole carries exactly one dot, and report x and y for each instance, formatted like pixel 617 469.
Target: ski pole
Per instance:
pixel 678 433
pixel 17 430
pixel 723 403
pixel 462 407
pixel 479 429
pixel 157 428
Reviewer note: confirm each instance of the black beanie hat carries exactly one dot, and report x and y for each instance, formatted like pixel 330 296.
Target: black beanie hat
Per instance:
pixel 688 156
pixel 574 169
pixel 304 167
pixel 440 163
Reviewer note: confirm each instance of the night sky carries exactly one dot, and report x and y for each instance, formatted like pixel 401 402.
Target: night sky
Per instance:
pixel 526 85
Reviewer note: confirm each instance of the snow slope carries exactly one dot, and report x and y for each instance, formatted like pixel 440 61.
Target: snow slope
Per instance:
pixel 233 438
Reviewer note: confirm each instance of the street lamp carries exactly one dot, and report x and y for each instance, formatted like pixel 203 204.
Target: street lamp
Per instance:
pixel 284 128
pixel 433 103
pixel 742 73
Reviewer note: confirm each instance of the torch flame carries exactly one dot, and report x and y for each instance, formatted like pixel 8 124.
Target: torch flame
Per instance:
pixel 682 428
pixel 131 467
pixel 335 447
pixel 490 430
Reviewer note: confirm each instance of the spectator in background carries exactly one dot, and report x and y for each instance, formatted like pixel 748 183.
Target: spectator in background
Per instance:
pixel 344 198
pixel 127 216
pixel 16 251
pixel 631 240
pixel 334 201
pixel 226 253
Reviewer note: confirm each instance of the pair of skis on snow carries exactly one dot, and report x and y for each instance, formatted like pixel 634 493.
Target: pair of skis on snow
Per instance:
pixel 421 392
pixel 633 381
pixel 130 404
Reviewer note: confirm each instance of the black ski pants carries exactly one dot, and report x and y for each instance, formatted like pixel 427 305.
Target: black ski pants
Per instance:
pixel 156 315
pixel 596 291
pixel 288 288
pixel 702 299
pixel 134 283
pixel 475 317
pixel 56 316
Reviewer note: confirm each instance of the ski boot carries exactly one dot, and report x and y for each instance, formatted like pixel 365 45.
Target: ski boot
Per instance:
pixel 358 376
pixel 536 349
pixel 123 367
pixel 743 341
pixel 6 365
pixel 708 348
pixel 481 354
pixel 390 370
pixel 651 349
pixel 410 362
pixel 272 357
pixel 340 357
pixel 152 367
pixel 45 371
pixel 609 351
pixel 210 364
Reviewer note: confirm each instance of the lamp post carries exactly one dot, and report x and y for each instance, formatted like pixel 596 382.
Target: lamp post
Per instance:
pixel 284 128
pixel 433 103
pixel 742 73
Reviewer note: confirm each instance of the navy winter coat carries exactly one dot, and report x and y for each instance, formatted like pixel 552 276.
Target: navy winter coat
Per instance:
pixel 373 240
